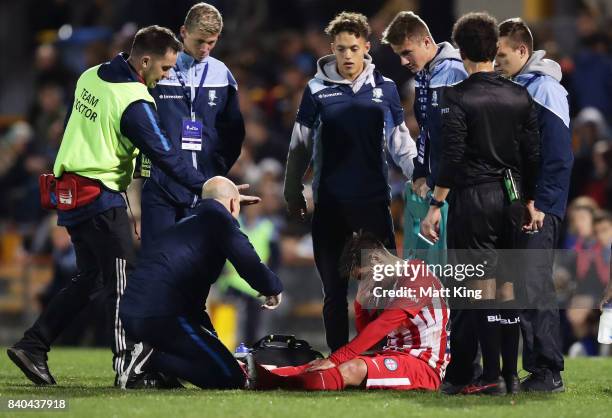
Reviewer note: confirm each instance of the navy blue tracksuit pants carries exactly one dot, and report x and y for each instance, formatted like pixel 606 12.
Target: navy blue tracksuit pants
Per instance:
pixel 183 348
pixel 540 327
pixel 158 213
pixel 332 226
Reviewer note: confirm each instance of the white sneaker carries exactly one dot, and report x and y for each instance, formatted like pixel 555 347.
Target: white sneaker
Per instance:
pixel 577 350
pixel 135 370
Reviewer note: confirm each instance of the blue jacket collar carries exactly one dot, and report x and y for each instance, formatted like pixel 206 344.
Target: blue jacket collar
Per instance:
pixel 118 70
pixel 185 61
pixel 212 204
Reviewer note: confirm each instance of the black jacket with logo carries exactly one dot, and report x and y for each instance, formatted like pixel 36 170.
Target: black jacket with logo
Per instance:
pixel 489 124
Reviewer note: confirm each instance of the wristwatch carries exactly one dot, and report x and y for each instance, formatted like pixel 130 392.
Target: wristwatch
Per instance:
pixel 436 203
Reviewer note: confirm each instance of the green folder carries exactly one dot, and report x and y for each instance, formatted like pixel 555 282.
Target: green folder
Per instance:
pixel 415 210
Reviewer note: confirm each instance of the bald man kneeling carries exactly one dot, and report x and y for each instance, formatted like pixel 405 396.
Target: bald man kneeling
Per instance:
pixel 164 302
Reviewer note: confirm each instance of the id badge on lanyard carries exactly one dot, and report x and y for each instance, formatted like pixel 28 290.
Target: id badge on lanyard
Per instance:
pixel 192 128
pixel 191 134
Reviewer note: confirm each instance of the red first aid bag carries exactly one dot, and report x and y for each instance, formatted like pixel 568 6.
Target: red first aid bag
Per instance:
pixel 68 192
pixel 48 196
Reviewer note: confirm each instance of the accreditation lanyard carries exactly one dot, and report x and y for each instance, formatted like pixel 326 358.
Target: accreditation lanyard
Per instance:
pixel 187 91
pixel 192 128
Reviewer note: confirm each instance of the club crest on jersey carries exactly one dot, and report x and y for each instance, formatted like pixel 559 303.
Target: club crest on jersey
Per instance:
pixel 391 364
pixel 377 93
pixel 434 99
pixel 212 96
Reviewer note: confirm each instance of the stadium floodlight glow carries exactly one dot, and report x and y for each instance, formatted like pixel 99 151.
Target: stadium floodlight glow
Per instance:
pixel 64 32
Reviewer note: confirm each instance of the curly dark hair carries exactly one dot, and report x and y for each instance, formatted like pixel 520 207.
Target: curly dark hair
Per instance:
pixel 354 23
pixel 351 253
pixel 476 36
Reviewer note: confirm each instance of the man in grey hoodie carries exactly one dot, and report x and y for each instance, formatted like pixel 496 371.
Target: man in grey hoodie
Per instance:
pixel 348 115
pixel 539 322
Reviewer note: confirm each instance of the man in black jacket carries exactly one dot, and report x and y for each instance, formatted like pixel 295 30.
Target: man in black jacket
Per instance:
pixel 490 131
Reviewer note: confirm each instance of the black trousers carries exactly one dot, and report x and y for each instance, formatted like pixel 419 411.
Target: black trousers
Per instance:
pixel 332 226
pixel 187 350
pixel 540 327
pixel 463 345
pixel 105 253
pixel 480 221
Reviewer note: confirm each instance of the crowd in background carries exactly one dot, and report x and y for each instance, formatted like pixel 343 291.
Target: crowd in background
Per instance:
pixel 272 54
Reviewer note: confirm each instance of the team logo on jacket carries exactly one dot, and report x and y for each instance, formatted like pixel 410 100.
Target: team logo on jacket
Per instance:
pixel 391 364
pixel 212 96
pixel 377 93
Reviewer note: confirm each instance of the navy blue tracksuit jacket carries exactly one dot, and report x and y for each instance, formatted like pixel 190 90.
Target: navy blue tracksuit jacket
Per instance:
pixel 444 71
pixel 208 89
pixel 164 301
pixel 173 278
pixel 216 105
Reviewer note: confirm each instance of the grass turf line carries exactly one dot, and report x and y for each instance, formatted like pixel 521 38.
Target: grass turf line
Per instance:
pixel 85 377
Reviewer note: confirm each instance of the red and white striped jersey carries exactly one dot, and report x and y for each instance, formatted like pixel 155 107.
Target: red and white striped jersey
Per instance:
pixel 424 335
pixel 413 326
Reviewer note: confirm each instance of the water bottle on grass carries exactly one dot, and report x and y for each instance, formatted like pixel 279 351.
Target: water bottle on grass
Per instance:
pixel 605 325
pixel 241 351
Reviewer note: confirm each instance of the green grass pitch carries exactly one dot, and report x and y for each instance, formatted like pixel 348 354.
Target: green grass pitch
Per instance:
pixel 84 380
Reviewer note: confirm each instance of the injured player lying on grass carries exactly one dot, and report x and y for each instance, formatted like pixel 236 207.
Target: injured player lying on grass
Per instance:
pixel 415 354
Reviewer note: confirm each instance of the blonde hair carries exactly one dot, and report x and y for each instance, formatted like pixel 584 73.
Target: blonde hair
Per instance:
pixel 204 17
